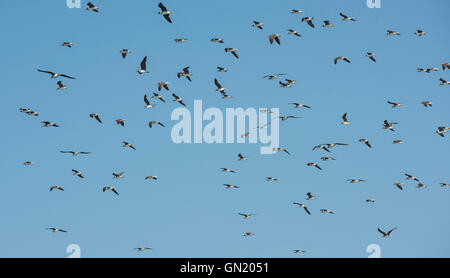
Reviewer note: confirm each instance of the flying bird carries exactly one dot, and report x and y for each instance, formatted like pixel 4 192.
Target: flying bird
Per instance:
pixel 355 180
pixel 77 173
pixel 120 121
pixel 96 116
pixel 241 157
pixel 92 7
pixel 427 103
pixel 258 24
pixel 371 56
pixel 309 20
pixel 327 23
pixel 56 230
pixel 341 58
pixel 280 150
pixel 48 124
pixel 181 40
pixel 155 95
pixel 75 153
pixel 365 141
pixel 56 75
pixel 178 99
pixel 232 51
pixel 151 177
pixel 110 188
pixel 445 66
pixel 68 44
pixel 218 40
pixel 219 87
pixel 147 103
pixel 275 37
pixel 164 12
pixel 346 18
pixel 391 33
pixel 61 86
pixel 314 164
pixel 271 179
pixel 399 185
pixel 388 125
pixel 346 121
pixel 140 249
pixel 395 104
pixel 310 196
pixel 273 76
pixel 124 52
pixel 228 186
pixel 293 32
pixel 151 123
pixel 326 211
pixel 118 175
pixel 246 216
pixel 163 84
pixel 444 82
pixel 410 177
pixel 388 234
pixel 299 105
pixel 56 187
pixel 227 170
pixel 143 68
pixel 302 206
pixel 221 69
pixel 296 12
pixel 185 73
pixel 126 144
pixel 419 33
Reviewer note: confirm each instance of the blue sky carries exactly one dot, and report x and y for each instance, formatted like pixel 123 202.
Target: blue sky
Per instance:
pixel 187 212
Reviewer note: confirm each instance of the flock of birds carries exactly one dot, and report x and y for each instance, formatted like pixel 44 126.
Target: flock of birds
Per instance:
pixel 185 72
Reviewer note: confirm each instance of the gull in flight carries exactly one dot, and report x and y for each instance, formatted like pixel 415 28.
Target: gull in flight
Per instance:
pixel 219 87
pixel 241 157
pixel 124 52
pixel 275 37
pixel 346 121
pixel 355 180
pixel 246 216
pixel 370 201
pixel 227 170
pixel 444 184
pixel 326 211
pixel 314 164
pixel 322 146
pixel 371 56
pixel 410 177
pixel 445 66
pixel 178 99
pixel 181 40
pixel 228 186
pixel 346 18
pixel 147 103
pixel 121 121
pixel 388 125
pixel 61 86
pixel 118 175
pixel 140 249
pixel 47 124
pixel 92 7
pixel 297 251
pixel 388 234
pixel 365 141
pixel 143 68
pixel 155 95
pixel 419 33
pixel 310 196
pixel 56 230
pixel 294 32
pixel 151 123
pixel 126 144
pixel 68 44
pixel 444 82
pixel 77 173
pixel 309 20
pixel 296 12
pixel 110 188
pixel 75 153
pixel 395 104
pixel 399 185
pixel 327 158
pixel 151 177
pixel 341 58
pixel 280 150
pixel 219 40
pixel 302 206
pixel 428 70
pixel 163 84
pixel 56 75
pixel 273 76
pixel 299 105
pixel 28 163
pixel 427 103
pixel 327 23
pixel 391 33
pixel 233 51
pixel 284 118
pixel 56 187
pixel 96 116
pixel 185 73
pixel 442 129
pixel 397 141
pixel 258 24
pixel 164 12
pixel 28 111
pixel 221 69
pixel 271 179
pixel 249 234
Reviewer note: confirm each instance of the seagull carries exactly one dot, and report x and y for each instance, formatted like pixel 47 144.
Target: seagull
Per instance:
pixel 61 86
pixel 147 103
pixel 228 186
pixel 151 123
pixel 397 141
pixel 341 58
pixel 388 125
pixel 395 104
pixel 326 211
pixel 428 70
pixel 96 116
pixel 246 216
pixel 427 103
pixel 370 201
pixel 47 124
pixel 410 177
pixel 224 95
pixel 445 66
pixel 302 206
pixel 28 111
pixel 293 32
pixel 271 179
pixel 289 81
pixel 327 158
pixel 296 12
pixel 346 18
pixel 77 173
pixel 56 187
pixel 346 121
pixel 258 24
pixel 444 82
pixel 165 12
pixel 227 170
pixel 110 188
pixel 120 122
pixel 56 230
pixel 355 180
pixel 371 56
pixel 280 150
pixel 309 21
pixel 297 251
pixel 68 44
pixel 323 147
pixel 421 185
pixel 28 163
pixel 140 249
pixel 399 185
pixel 444 184
pixel 118 175
pixel 299 105
pixel 419 33
pixel 365 141
pixel 388 234
pixel 219 87
pixel 151 177
pixel 284 118
pixel 219 40
pixel 143 66
pixel 75 153
pixel 310 196
pixel 124 52
pixel 178 99
pixel 275 37
pixel 248 234
pixel 273 76
pixel 163 84
pixel 56 75
pixel 233 51
pixel 221 69
pixel 327 23
pixel 92 7
pixel 126 144
pixel 335 144
pixel 155 95
pixel 181 40
pixel 241 157
pixel 185 73
pixel 390 33
pixel 314 164
pixel 442 129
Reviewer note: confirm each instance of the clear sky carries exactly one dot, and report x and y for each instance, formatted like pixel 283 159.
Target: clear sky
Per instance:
pixel 187 212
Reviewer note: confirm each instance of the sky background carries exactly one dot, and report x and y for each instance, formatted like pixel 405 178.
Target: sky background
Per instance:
pixel 187 212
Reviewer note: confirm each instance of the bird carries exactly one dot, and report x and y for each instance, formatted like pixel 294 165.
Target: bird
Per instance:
pixel 397 141
pixel 445 66
pixel 391 33
pixel 388 125
pixel 246 216
pixel 92 7
pixel 241 157
pixel 124 52
pixel 299 105
pixel 219 87
pixel 228 186
pixel 56 75
pixel 284 118
pixel 28 111
pixel 181 40
pixel 341 58
pixel 227 170
pixel 297 251
pixel 310 196
pixel 164 12
pixel 143 68
pixel 296 12
pixel 335 144
pixel 370 201
pixel 121 121
pixel 163 84
pixel 77 173
pixel 218 40
pixel 68 44
pixel 427 70
pixel 147 103
pixel 444 184
pixel 74 153
pixel 61 86
pixel 421 185
pixel 275 37
pixel 155 95
pixel 280 150
pixel 185 73
pixel 151 177
pixel 258 25
pixel 419 33
pixel 118 175
pixel 178 99
pixel 442 129
pixel 28 163
pixel 56 230
pixel 355 180
pixel 293 32
pixel 365 141
pixel 302 206
pixel 314 164
pixel 388 234
pixel 395 104
pixel 140 249
pixel 327 23
pixel 56 187
pixel 232 51
pixel 427 103
pixel 371 56
pixel 327 158
pixel 326 211
pixel 110 188
pixel 273 76
pixel 271 179
pixel 248 234
pixel 346 121
pixel 346 18
pixel 151 123
pixel 411 177
pixel 309 20
pixel 126 144
pixel 444 82
pixel 221 69
pixel 322 146
pixel 399 185
pixel 96 116
pixel 49 124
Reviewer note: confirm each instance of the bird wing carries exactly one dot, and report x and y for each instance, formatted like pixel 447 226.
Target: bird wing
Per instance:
pixel 310 23
pixel 50 72
pixel 277 39
pixel 146 100
pixel 98 118
pixel 143 63
pixel 217 83
pixel 379 230
pixel 66 76
pixel 167 17
pixel 162 7
pixel 307 211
